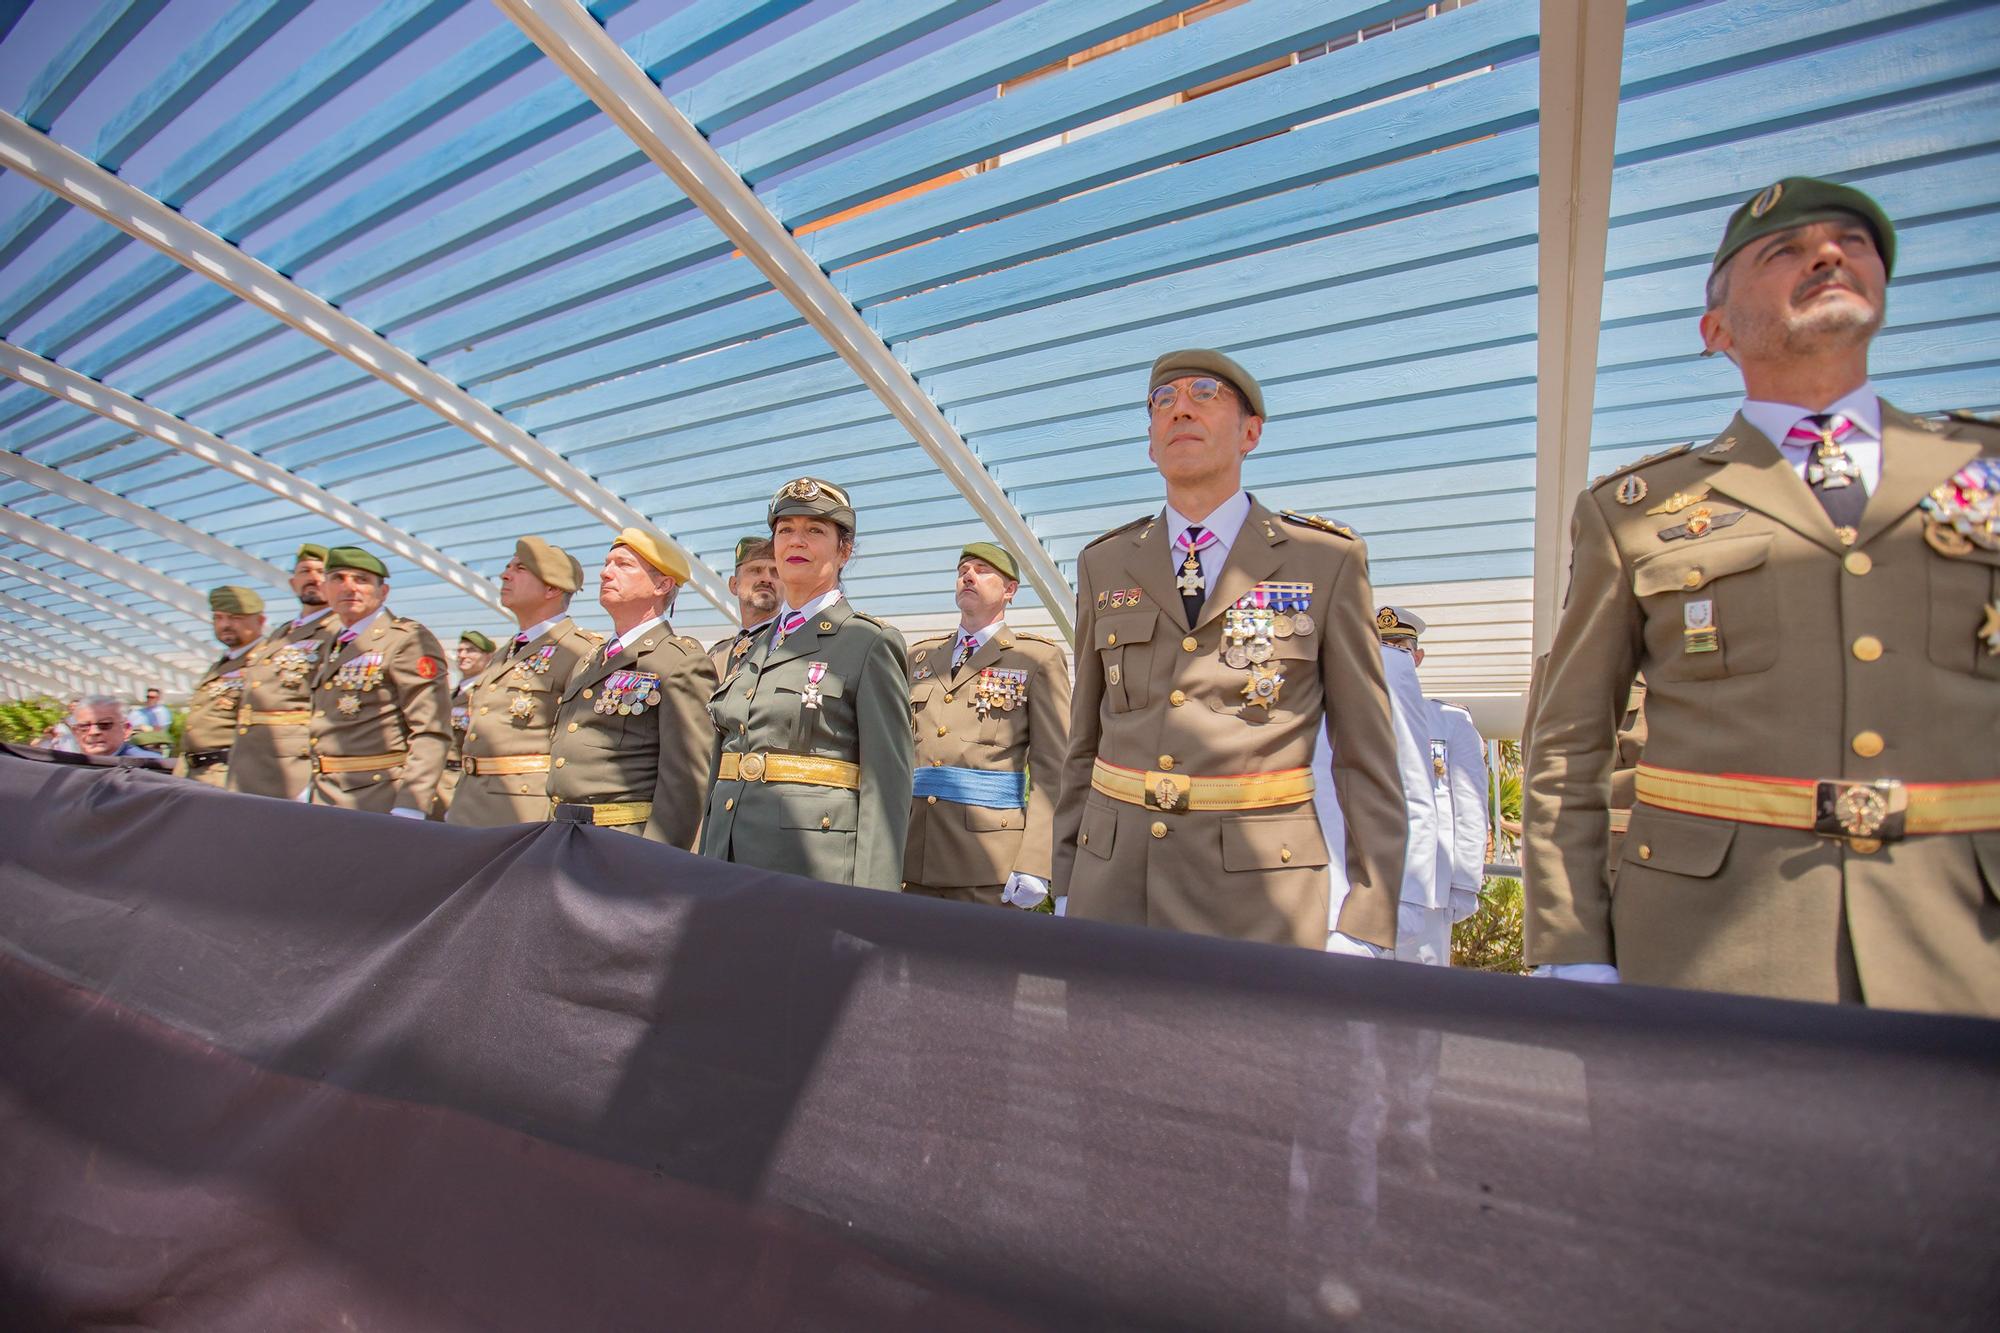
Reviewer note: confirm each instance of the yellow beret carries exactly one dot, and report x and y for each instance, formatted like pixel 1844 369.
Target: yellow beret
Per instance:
pixel 235 601
pixel 549 563
pixel 655 553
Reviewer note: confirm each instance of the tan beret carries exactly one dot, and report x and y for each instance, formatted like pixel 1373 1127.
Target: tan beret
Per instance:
pixel 549 563
pixel 1207 361
pixel 234 601
pixel 655 553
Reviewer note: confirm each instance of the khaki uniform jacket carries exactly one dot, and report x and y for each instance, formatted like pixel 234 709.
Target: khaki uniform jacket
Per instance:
pixel 659 756
pixel 211 719
pixel 405 719
pixel 276 760
pixel 511 711
pixel 966 846
pixel 1827 652
pixel 834 834
pixel 1154 694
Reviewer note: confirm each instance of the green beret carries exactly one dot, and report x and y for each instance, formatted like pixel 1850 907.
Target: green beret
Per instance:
pixel 1796 201
pixel 1205 361
pixel 811 496
pixel 234 601
pixel 353 557
pixel 477 640
pixel 746 546
pixel 997 556
pixel 549 563
pixel 310 551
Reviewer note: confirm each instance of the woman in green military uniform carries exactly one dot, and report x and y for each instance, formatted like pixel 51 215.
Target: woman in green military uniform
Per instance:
pixel 812 770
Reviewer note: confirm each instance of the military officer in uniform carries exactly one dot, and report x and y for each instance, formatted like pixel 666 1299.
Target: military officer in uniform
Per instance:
pixel 1813 595
pixel 238 615
pixel 754 585
pixel 632 737
pixel 475 654
pixel 812 769
pixel 511 704
pixel 381 711
pixel 991 708
pixel 1215 641
pixel 272 755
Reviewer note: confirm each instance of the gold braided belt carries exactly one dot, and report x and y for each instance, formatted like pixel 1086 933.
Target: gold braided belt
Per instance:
pixel 357 763
pixel 604 814
pixel 1884 809
pixel 806 768
pixel 1182 791
pixel 505 765
pixel 291 717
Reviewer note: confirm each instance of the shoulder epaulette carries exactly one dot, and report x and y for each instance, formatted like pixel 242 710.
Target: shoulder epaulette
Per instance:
pixel 876 621
pixel 1636 463
pixel 1123 527
pixel 1315 521
pixel 1960 414
pixel 930 641
pixel 1039 638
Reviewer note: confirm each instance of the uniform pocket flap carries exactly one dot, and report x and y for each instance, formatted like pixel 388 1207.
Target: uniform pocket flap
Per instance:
pixel 1272 842
pixel 1678 844
pixel 832 812
pixel 1701 563
pixel 986 819
pixel 1100 829
pixel 1115 631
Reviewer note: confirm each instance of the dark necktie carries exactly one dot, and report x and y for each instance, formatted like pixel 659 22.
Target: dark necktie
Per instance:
pixel 520 642
pixel 1193 587
pixel 1834 478
pixel 968 644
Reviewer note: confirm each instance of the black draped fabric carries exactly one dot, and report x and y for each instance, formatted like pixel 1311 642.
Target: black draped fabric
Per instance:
pixel 270 1066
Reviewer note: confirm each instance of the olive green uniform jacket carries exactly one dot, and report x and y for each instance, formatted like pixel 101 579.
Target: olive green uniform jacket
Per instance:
pixel 211 719
pixel 726 653
pixel 1023 729
pixel 1835 662
pixel 511 713
pixel 454 757
pixel 404 720
pixel 834 834
pixel 657 757
pixel 275 759
pixel 1154 694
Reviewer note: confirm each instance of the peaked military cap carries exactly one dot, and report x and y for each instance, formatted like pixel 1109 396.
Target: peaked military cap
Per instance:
pixel 813 497
pixel 231 600
pixel 549 563
pixel 354 557
pixel 746 548
pixel 1393 622
pixel 656 553
pixel 310 551
pixel 997 556
pixel 1207 361
pixel 1796 201
pixel 477 640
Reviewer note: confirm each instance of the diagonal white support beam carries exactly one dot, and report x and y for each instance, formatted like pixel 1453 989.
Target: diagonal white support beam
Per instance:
pixel 88 186
pixel 76 592
pixel 86 555
pixel 122 655
pixel 139 516
pixel 578 44
pixel 179 433
pixel 56 657
pixel 33 680
pixel 1583 50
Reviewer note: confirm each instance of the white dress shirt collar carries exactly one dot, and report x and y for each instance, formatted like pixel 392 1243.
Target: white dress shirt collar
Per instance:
pixel 812 608
pixel 539 628
pixel 627 638
pixel 980 637
pixel 360 627
pixel 1225 521
pixel 300 622
pixel 1863 444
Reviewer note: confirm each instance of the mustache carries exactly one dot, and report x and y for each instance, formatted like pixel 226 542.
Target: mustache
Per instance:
pixel 1833 277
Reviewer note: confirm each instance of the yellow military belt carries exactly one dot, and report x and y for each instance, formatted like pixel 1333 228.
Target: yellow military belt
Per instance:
pixel 611 814
pixel 766 767
pixel 1182 791
pixel 1837 808
pixel 292 717
pixel 505 766
pixel 357 763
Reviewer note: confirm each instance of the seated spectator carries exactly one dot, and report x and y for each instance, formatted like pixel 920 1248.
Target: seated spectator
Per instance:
pixel 103 730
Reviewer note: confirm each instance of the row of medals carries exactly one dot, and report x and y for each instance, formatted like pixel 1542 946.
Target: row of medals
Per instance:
pixel 358 676
pixel 1250 633
pixel 621 695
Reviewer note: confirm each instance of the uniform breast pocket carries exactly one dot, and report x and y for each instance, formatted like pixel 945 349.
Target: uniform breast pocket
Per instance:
pixel 1711 608
pixel 1125 647
pixel 808 706
pixel 1965 597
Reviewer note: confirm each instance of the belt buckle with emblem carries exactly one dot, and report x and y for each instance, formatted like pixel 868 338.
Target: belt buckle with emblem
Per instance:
pixel 1877 809
pixel 1167 791
pixel 750 768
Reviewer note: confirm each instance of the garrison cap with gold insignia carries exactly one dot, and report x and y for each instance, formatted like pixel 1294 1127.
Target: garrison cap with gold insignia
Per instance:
pixel 655 552
pixel 1393 622
pixel 309 551
pixel 746 548
pixel 549 563
pixel 1207 361
pixel 813 497
pixel 997 556
pixel 231 600
pixel 1796 201
pixel 477 640
pixel 354 557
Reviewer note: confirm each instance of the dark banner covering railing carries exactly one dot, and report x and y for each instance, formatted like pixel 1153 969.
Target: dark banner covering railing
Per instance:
pixel 268 1066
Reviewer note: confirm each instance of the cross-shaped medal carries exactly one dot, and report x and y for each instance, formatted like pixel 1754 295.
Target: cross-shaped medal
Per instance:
pixel 1190 582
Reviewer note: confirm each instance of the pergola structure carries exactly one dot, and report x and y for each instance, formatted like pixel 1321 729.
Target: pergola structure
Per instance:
pixel 431 274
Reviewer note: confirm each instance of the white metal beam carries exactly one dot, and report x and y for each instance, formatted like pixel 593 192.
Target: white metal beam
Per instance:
pixel 89 186
pixel 123 655
pixel 179 433
pixel 139 516
pixel 61 657
pixel 33 680
pixel 76 592
pixel 87 555
pixel 1583 50
pixel 571 37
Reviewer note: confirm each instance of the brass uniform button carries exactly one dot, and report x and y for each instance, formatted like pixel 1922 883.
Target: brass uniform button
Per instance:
pixel 1188 644
pixel 1110 639
pixel 482 708
pixel 1865 846
pixel 1857 563
pixel 1867 648
pixel 1159 829
pixel 729 804
pixel 937 763
pixel 1693 579
pixel 947 698
pixel 586 691
pixel 1645 852
pixel 826 821
pixel 1166 763
pixel 1284 854
pixel 559 763
pixel 1868 744
pixel 1177 698
pixel 572 726
pixel 944 731
pixel 930 800
pixel 472 735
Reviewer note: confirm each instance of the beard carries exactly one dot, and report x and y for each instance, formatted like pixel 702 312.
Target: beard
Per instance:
pixel 1821 327
pixel 312 597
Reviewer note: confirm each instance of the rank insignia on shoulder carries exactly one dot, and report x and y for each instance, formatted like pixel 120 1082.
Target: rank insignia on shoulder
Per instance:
pixel 1723 445
pixel 1315 521
pixel 1631 490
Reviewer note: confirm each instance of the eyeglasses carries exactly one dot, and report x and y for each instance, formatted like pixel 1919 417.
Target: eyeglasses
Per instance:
pixel 1200 390
pixel 92 726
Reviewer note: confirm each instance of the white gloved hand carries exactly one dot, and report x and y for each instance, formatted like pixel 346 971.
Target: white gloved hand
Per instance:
pixel 1603 974
pixel 1341 943
pixel 1464 903
pixel 1024 890
pixel 404 812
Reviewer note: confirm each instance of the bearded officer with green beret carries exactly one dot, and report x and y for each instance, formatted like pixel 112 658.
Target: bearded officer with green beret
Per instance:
pixel 754 585
pixel 812 771
pixel 381 710
pixel 632 737
pixel 991 709
pixel 238 617
pixel 271 755
pixel 1813 596
pixel 511 703
pixel 475 654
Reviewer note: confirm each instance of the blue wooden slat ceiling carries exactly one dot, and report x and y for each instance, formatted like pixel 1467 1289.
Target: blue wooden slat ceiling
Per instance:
pixel 1026 229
